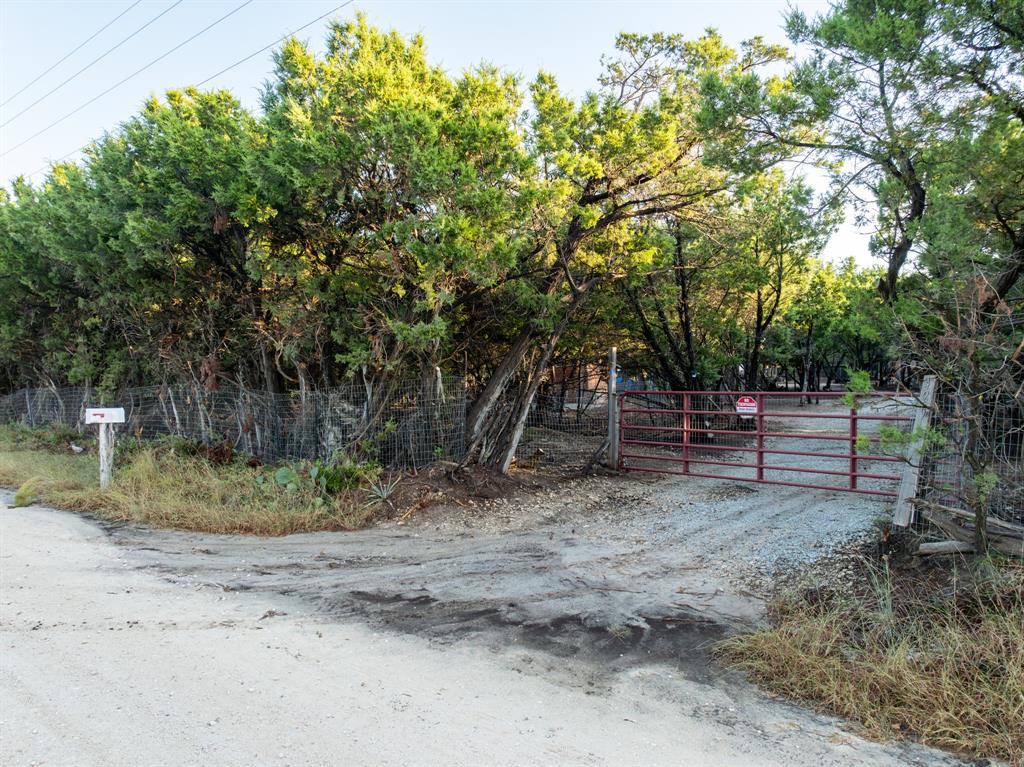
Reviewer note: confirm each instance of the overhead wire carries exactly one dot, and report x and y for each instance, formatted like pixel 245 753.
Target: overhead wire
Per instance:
pixel 271 45
pixel 66 56
pixel 122 81
pixel 96 60
pixel 213 76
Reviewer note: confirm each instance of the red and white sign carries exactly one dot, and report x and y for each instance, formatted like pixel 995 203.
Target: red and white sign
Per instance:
pixel 746 406
pixel 104 415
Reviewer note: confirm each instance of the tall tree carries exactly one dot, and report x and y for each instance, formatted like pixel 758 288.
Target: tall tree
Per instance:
pixel 396 189
pixel 855 103
pixel 632 150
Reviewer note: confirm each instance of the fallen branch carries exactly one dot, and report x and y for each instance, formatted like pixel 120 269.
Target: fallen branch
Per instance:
pixel 960 529
pixel 995 525
pixel 945 547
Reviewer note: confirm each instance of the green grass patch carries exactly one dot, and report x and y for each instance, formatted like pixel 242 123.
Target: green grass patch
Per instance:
pixel 166 487
pixel 52 439
pixel 943 663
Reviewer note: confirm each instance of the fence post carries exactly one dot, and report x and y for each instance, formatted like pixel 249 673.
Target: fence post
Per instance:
pixel 613 418
pixel 903 512
pixel 106 450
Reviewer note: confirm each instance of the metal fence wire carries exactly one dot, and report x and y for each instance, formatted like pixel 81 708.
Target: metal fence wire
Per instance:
pixel 416 425
pixel 564 429
pixel 411 427
pixel 947 474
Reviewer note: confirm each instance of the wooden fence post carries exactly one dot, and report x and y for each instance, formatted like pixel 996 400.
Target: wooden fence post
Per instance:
pixel 903 513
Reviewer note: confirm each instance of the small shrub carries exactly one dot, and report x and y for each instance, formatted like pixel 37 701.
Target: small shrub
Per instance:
pixel 26 494
pixel 343 474
pixel 288 478
pixel 382 490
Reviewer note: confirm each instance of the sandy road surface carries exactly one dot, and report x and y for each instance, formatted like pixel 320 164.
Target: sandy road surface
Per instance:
pixel 144 654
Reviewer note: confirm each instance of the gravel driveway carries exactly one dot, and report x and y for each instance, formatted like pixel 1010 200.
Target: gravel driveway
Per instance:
pixel 567 628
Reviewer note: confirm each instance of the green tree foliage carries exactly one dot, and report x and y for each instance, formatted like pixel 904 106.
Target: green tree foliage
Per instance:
pixel 637 148
pixel 381 218
pixel 837 322
pixel 718 286
pixel 959 111
pixel 395 189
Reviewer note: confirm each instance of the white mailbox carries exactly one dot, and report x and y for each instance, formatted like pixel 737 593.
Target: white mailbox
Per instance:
pixel 104 415
pixel 105 418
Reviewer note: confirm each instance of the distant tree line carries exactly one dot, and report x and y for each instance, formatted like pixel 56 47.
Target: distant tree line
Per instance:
pixel 380 219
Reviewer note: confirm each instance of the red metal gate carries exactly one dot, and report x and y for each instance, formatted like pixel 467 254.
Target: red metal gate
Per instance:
pixel 826 445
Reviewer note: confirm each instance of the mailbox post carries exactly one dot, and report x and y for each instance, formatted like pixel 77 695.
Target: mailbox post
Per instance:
pixel 105 418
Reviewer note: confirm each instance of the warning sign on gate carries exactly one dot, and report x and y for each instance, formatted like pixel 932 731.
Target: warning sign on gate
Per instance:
pixel 746 406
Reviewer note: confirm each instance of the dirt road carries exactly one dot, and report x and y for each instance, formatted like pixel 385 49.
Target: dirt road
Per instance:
pixel 389 646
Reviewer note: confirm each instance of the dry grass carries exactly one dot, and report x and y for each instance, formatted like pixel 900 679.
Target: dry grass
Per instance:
pixel 945 667
pixel 57 472
pixel 166 489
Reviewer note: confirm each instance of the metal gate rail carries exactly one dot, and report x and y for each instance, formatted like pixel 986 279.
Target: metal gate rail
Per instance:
pixel 690 430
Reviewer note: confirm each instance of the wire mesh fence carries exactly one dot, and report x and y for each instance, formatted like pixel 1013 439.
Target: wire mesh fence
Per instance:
pixel 565 431
pixel 410 426
pixel 990 435
pixel 415 425
pixel 567 426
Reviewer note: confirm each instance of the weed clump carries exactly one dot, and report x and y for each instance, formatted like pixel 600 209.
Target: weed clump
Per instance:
pixel 51 439
pixel 26 493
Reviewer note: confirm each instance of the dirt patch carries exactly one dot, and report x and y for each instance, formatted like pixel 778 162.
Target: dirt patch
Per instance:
pixel 640 567
pixel 682 641
pixel 446 484
pixel 882 560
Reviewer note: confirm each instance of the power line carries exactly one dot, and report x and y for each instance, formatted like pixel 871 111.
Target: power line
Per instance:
pixel 213 76
pixel 95 60
pixel 138 71
pixel 271 45
pixel 68 55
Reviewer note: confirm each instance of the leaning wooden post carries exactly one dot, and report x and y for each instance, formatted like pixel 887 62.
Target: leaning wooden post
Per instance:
pixel 105 418
pixel 903 513
pixel 613 416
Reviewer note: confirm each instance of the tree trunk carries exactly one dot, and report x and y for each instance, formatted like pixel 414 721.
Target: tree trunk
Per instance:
pixel 977 501
pixel 496 422
pixel 805 386
pixel 754 357
pixel 1010 274
pixel 668 370
pixel 481 412
pixel 898 255
pixel 271 378
pixel 683 311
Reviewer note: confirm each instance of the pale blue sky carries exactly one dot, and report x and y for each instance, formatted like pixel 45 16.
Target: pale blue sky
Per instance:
pixel 563 37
